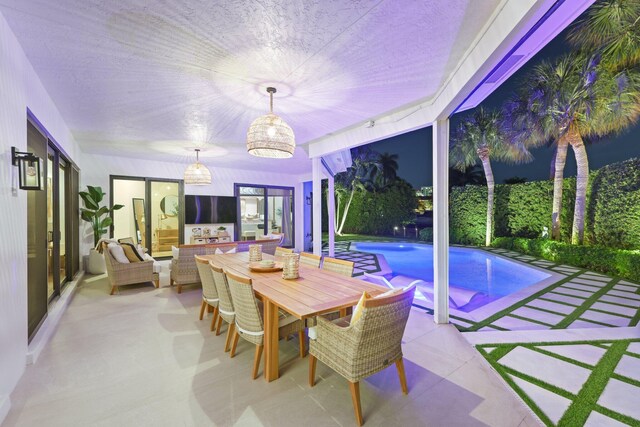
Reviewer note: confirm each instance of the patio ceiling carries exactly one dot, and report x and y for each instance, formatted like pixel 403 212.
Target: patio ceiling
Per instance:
pixel 157 78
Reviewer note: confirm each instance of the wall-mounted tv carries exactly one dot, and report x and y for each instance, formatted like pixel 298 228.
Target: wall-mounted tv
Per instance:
pixel 210 209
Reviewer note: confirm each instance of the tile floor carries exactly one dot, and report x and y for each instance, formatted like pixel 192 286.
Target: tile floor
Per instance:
pixel 142 358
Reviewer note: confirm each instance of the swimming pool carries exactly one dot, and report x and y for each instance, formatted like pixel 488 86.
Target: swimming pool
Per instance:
pixel 469 268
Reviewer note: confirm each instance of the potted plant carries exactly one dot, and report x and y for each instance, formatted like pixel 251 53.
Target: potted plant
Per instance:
pixel 99 218
pixel 222 232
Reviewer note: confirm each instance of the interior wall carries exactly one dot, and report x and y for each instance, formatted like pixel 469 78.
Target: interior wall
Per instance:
pixel 20 89
pixel 98 168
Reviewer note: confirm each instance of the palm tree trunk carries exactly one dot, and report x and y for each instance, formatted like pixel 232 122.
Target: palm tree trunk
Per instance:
pixel 552 169
pixel 346 210
pixel 582 181
pixel 488 173
pixel 558 181
pixel 337 215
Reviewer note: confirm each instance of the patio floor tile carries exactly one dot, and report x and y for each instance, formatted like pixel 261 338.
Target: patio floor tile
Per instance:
pixel 596 278
pixel 596 419
pixel 581 287
pixel 564 298
pixel 553 405
pixel 581 324
pixel 556 372
pixel 563 289
pixel 584 353
pixel 541 316
pixel 621 397
pixel 634 347
pixel 609 319
pixel 514 324
pixel 553 306
pixel 620 300
pixel 615 309
pixel 623 294
pixel 593 283
pixel 629 367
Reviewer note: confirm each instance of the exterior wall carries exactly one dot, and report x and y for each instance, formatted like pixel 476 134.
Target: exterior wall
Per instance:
pixel 20 88
pixel 98 168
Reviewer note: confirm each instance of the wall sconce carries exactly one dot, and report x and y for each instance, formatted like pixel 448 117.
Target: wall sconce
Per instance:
pixel 29 169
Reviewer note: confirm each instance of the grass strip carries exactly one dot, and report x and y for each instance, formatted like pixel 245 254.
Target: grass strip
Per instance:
pixel 587 398
pixel 627 380
pixel 519 304
pixel 582 319
pixel 636 319
pixel 500 351
pixel 584 307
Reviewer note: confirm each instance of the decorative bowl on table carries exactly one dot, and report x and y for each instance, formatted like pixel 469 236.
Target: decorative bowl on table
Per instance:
pixel 265 266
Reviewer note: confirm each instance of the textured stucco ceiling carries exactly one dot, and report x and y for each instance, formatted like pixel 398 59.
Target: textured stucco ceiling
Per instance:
pixel 155 78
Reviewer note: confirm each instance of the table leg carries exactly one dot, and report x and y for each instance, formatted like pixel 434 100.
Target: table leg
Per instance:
pixel 270 340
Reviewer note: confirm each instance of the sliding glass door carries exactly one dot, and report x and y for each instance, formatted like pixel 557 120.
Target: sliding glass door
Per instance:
pixel 265 210
pixel 52 227
pixel 152 213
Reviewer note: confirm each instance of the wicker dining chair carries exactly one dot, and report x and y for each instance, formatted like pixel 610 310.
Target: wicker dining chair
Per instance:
pixel 366 347
pixel 339 266
pixel 280 251
pixel 249 322
pixel 310 260
pixel 226 310
pixel 209 291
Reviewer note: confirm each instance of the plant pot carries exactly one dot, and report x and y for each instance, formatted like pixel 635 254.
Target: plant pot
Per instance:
pixel 96 263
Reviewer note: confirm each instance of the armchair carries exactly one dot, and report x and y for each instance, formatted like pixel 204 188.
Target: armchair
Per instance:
pixel 121 274
pixel 366 347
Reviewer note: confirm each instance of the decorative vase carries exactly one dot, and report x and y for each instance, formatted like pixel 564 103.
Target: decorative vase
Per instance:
pixel 290 266
pixel 96 263
pixel 255 253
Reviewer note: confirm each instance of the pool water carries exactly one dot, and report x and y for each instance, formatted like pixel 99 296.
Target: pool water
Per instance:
pixel 471 269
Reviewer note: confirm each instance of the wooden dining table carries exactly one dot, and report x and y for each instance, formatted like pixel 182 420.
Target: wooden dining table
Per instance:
pixel 313 293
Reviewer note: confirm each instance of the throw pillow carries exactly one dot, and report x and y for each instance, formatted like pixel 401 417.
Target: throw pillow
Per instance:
pixel 117 252
pixel 131 252
pixel 390 292
pixel 175 252
pixel 357 312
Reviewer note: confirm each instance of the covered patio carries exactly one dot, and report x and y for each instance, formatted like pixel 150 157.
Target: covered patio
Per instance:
pixel 130 90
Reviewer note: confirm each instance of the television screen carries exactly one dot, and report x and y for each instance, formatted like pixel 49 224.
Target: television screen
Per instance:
pixel 210 209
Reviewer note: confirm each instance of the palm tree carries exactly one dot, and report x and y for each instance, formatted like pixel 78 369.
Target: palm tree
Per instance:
pixel 570 99
pixel 471 175
pixel 481 136
pixel 360 176
pixel 389 166
pixel 611 27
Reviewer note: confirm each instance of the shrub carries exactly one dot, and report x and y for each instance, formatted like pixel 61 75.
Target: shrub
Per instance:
pixel 377 212
pixel 616 262
pixel 426 234
pixel 523 210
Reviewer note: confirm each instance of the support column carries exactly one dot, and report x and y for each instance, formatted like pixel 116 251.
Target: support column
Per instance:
pixel 331 209
pixel 441 221
pixel 317 205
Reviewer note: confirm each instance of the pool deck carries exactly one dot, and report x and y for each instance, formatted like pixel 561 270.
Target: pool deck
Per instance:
pixel 582 326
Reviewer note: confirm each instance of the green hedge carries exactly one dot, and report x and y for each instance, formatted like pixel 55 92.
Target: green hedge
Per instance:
pixel 523 210
pixel 378 212
pixel 613 215
pixel 616 262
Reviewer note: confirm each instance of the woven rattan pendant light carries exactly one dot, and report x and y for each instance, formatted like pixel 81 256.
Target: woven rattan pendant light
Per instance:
pixel 270 136
pixel 197 173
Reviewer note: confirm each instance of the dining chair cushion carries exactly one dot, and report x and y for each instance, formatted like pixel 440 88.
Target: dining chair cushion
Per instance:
pixel 118 253
pixel 357 312
pixel 390 292
pixel 220 251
